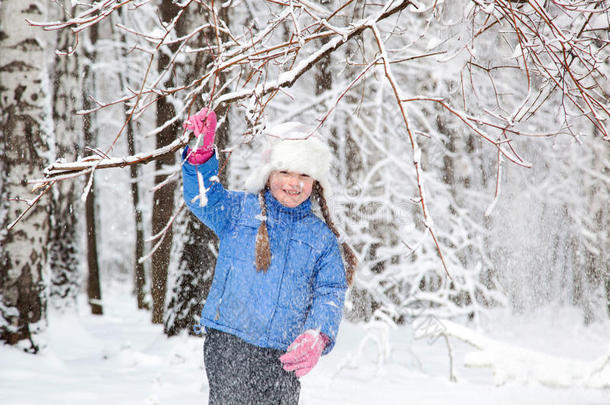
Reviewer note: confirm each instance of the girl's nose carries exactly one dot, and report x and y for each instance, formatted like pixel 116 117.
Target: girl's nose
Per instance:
pixel 293 180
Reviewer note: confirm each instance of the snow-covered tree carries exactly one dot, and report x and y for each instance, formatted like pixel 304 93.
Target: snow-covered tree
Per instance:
pixel 438 111
pixel 190 277
pixel 64 257
pixel 127 79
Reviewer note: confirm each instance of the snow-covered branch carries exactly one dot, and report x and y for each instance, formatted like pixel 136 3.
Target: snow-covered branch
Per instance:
pixel 82 166
pixel 512 363
pixel 414 144
pixel 286 79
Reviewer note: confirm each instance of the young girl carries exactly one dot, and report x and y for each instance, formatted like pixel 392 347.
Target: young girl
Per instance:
pixel 277 296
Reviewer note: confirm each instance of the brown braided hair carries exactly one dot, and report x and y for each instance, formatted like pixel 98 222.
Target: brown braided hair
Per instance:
pixel 263 252
pixel 348 253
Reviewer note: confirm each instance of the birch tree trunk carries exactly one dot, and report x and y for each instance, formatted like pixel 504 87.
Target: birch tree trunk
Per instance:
pixel 64 238
pixel 25 132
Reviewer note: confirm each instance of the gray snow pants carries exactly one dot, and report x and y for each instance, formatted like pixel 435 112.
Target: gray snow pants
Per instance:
pixel 243 374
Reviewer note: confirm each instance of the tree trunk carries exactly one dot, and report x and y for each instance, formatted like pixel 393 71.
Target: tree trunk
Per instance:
pixel 94 288
pixel 23 98
pixel 163 198
pixel 607 291
pixel 139 270
pixel 597 247
pixel 63 249
pixel 139 273
pixel 192 278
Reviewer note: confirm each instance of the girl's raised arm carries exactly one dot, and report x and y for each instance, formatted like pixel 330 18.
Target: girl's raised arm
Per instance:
pixel 203 193
pixel 214 206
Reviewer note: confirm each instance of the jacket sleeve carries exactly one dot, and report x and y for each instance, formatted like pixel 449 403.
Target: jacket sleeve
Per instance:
pixel 221 204
pixel 329 287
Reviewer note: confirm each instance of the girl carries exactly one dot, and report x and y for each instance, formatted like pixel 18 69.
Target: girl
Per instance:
pixel 277 296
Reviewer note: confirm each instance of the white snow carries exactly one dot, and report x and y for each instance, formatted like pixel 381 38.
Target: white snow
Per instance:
pixel 203 198
pixel 121 358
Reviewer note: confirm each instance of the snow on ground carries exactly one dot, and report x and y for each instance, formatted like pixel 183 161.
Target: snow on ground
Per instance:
pixel 120 358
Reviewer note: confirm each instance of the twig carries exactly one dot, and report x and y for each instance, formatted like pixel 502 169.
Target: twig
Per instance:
pixel 498 180
pixel 414 146
pixel 31 205
pixel 452 377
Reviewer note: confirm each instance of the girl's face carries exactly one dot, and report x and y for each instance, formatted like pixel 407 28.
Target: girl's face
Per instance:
pixel 290 188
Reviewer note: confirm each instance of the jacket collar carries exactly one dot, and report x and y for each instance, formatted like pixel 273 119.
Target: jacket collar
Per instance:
pixel 276 212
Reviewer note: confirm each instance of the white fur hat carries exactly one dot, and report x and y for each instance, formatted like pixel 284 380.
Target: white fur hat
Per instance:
pixel 295 149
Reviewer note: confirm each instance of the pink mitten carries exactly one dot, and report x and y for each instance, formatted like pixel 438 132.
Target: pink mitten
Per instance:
pixel 303 354
pixel 204 122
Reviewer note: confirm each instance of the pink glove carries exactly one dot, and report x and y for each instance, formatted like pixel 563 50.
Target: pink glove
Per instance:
pixel 303 354
pixel 204 122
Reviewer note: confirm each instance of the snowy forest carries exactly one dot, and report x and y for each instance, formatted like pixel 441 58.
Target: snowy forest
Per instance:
pixel 470 174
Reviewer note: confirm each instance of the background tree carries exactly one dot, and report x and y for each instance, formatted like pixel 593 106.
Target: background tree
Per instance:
pixel 64 251
pixel 24 104
pixel 128 79
pixel 163 198
pixel 90 133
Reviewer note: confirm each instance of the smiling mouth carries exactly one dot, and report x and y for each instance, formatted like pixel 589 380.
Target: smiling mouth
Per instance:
pixel 292 193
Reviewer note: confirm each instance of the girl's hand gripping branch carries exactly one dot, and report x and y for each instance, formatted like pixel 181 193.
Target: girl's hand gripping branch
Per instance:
pixel 202 123
pixel 303 354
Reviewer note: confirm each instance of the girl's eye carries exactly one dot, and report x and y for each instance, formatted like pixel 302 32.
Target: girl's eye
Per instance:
pixel 283 172
pixel 304 176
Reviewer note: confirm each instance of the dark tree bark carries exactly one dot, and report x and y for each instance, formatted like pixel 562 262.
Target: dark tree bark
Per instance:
pixel 94 288
pixel 139 271
pixel 608 291
pixel 192 277
pixel 163 198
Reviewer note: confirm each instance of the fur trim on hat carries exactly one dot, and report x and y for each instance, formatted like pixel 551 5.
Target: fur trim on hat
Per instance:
pixel 293 152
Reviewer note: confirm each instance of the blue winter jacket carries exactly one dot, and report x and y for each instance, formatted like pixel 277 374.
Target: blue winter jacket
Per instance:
pixel 304 287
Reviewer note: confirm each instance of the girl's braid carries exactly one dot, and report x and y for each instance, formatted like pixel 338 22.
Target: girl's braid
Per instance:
pixel 263 252
pixel 348 253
